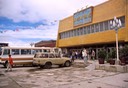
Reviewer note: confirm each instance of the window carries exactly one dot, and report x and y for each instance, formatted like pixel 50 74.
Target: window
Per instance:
pixel 75 33
pixel 81 31
pixel 106 25
pixel 92 28
pixel 84 30
pixel 15 52
pixel 0 51
pixel 97 27
pixel 25 51
pixel 46 50
pixel 122 19
pixel 36 50
pixel 101 26
pixel 70 33
pixel 88 29
pixel 6 51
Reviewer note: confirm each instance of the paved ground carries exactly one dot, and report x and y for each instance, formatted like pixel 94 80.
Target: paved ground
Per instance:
pixel 76 76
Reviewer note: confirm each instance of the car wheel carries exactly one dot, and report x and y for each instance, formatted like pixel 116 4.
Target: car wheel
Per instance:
pixel 67 64
pixel 48 65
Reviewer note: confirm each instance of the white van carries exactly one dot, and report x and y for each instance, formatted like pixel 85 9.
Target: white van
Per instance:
pixel 21 55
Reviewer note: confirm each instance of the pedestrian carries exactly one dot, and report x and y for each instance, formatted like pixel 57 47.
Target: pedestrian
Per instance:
pixel 84 54
pixel 10 63
pixel 93 55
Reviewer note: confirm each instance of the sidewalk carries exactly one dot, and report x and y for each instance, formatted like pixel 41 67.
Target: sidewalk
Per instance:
pixel 7 82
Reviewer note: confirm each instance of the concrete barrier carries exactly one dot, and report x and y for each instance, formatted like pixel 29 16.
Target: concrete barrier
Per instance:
pixel 112 68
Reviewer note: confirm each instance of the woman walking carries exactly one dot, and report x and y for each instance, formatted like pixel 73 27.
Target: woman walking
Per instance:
pixel 10 63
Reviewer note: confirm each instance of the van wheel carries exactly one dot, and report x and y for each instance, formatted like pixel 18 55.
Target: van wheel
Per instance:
pixel 48 65
pixel 67 64
pixel 6 64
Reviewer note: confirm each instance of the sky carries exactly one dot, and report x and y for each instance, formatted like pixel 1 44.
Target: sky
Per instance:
pixel 23 22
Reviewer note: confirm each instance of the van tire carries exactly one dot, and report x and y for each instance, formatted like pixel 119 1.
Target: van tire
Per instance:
pixel 48 65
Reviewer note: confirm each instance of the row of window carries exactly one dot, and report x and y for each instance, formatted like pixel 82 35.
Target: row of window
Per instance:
pixel 98 27
pixel 23 51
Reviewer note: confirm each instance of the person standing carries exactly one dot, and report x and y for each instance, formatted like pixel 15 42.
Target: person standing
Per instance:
pixel 10 63
pixel 93 55
pixel 84 54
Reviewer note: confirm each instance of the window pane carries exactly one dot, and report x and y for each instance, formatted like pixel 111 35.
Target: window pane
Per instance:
pixel 122 19
pixel 80 31
pixel 6 52
pixel 97 27
pixel 84 30
pixel 25 51
pixel 101 26
pixel 15 52
pixel 0 51
pixel 106 25
pixel 92 28
pixel 36 50
pixel 88 29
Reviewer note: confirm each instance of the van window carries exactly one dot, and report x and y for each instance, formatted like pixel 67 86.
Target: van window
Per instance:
pixel 0 51
pixel 46 50
pixel 36 50
pixel 25 51
pixel 15 51
pixel 6 51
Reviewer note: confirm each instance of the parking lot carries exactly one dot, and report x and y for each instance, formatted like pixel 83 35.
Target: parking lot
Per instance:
pixel 65 77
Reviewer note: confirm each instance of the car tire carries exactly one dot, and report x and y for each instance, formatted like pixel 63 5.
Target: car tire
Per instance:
pixel 67 64
pixel 48 65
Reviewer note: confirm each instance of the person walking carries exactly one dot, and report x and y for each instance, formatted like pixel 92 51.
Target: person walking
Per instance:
pixel 84 54
pixel 10 63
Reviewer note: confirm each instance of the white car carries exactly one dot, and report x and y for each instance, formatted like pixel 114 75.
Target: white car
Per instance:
pixel 48 59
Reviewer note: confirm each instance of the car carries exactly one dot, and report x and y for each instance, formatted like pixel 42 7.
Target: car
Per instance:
pixel 46 60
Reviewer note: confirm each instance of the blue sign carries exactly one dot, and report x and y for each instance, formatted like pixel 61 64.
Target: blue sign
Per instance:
pixel 82 17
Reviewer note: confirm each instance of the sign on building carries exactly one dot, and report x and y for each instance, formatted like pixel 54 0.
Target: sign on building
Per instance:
pixel 83 16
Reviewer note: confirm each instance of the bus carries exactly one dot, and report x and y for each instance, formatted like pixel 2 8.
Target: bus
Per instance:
pixel 21 55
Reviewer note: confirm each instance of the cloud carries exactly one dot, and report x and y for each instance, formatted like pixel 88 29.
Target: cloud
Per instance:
pixel 38 10
pixel 23 37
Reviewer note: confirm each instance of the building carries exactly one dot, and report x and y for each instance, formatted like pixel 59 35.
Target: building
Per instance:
pixel 90 28
pixel 49 43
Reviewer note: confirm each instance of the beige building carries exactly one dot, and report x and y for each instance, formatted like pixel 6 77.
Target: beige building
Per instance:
pixel 90 28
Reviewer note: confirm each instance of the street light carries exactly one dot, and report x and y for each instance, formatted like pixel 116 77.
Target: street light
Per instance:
pixel 116 24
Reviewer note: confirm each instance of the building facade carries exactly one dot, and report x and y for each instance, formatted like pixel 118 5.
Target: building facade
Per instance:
pixel 90 28
pixel 48 43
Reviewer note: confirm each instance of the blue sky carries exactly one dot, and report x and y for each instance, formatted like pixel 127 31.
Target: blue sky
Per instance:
pixel 29 21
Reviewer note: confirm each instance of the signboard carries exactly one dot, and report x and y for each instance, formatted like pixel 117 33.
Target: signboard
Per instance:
pixel 83 17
